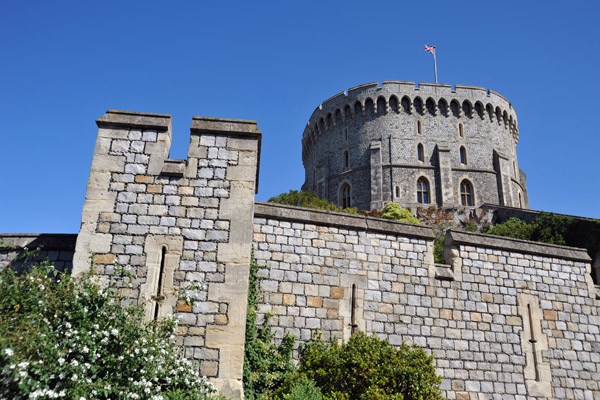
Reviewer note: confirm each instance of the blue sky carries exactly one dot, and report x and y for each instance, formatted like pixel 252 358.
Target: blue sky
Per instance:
pixel 63 64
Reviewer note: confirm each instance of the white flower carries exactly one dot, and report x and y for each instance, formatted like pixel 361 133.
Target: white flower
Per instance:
pixel 74 377
pixel 114 331
pixel 74 363
pixel 9 352
pixel 85 349
pixel 61 361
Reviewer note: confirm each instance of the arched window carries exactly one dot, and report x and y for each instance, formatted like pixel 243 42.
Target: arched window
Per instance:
pixel 520 201
pixel 463 155
pixel 423 191
pixel 345 192
pixel 398 192
pixel 461 130
pixel 419 127
pixel 346 160
pixel 420 152
pixel 466 193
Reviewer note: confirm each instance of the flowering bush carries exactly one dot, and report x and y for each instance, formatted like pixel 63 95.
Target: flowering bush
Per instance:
pixel 64 337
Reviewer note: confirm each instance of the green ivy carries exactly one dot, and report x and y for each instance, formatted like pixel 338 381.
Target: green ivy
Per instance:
pixel 267 366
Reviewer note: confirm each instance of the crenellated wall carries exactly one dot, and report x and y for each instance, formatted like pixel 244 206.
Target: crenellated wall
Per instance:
pixel 175 223
pixel 398 117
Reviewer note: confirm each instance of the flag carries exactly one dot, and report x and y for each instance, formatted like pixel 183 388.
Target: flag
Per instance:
pixel 430 49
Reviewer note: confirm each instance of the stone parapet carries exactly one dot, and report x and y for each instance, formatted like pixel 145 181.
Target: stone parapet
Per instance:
pixel 454 237
pixel 340 220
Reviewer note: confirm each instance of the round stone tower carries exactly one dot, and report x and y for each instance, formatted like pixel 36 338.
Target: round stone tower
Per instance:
pixel 430 145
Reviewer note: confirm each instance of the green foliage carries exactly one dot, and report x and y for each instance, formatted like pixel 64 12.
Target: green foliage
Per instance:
pixel 438 250
pixel 266 365
pixel 369 368
pixel 514 228
pixel 304 389
pixel 547 227
pixel 394 211
pixel 551 228
pixel 309 200
pixel 65 337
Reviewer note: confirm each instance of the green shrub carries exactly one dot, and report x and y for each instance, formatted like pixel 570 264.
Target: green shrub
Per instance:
pixel 310 200
pixel 394 211
pixel 304 389
pixel 369 368
pixel 551 228
pixel 64 337
pixel 514 228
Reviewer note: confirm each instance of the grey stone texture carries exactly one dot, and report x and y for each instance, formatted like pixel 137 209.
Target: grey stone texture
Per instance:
pixel 178 222
pixel 504 318
pixel 399 116
pixel 468 314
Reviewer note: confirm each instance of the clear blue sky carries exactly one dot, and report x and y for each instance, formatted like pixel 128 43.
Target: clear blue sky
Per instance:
pixel 63 64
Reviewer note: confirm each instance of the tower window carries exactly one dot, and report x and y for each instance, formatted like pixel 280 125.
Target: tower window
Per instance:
pixel 520 201
pixel 461 130
pixel 419 128
pixel 397 192
pixel 466 193
pixel 463 155
pixel 345 134
pixel 420 152
pixel 423 191
pixel 346 160
pixel 345 195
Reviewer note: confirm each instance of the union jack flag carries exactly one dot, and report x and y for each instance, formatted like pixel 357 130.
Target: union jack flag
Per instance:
pixel 430 49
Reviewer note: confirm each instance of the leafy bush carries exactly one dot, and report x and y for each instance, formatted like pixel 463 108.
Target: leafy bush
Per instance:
pixel 369 368
pixel 514 228
pixel 397 213
pixel 438 250
pixel 62 337
pixel 266 365
pixel 304 389
pixel 551 228
pixel 309 200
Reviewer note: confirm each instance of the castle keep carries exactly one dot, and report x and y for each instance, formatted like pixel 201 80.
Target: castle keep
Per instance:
pixel 504 318
pixel 418 146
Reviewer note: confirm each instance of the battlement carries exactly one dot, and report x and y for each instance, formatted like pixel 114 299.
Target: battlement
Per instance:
pixel 500 107
pixel 123 134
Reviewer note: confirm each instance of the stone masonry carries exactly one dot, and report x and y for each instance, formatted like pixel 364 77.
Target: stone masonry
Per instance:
pixel 505 319
pixel 477 315
pixel 175 223
pixel 368 138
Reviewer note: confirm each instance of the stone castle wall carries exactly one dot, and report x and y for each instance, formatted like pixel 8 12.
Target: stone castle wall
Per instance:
pixel 379 128
pixel 336 273
pixel 503 318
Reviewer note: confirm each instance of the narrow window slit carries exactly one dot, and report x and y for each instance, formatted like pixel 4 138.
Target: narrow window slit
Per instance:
pixel 533 341
pixel 353 323
pixel 159 295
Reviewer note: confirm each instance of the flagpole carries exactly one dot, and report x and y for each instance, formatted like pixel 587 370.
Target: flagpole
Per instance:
pixel 434 66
